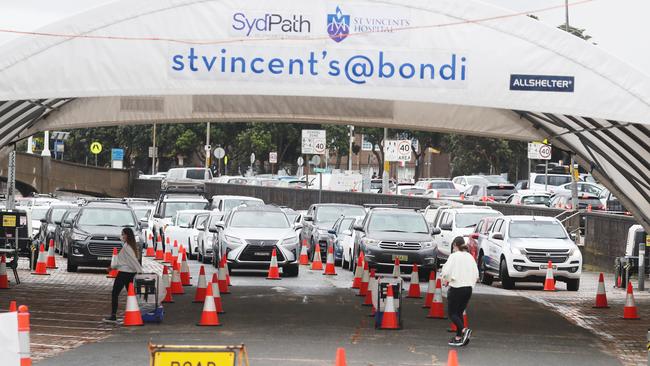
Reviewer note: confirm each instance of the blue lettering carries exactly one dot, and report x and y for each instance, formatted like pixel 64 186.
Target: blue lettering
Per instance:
pixel 237 19
pixel 233 62
pixel 255 61
pixel 405 75
pixel 295 61
pixel 223 60
pixel 462 68
pixel 335 70
pixel 312 63
pixel 382 65
pixel 275 66
pixel 178 61
pixel 192 57
pixel 208 65
pixel 424 67
pixel 451 67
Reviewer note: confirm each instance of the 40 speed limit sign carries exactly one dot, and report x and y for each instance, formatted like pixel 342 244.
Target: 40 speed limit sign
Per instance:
pixel 397 150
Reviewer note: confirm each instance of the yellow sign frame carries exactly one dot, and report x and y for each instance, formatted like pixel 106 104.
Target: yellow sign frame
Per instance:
pixel 96 147
pixel 198 355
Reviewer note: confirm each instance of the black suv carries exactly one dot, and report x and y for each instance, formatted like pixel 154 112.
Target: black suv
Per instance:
pixel 92 234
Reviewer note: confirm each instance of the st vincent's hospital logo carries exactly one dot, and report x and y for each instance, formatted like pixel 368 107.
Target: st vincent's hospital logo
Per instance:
pixel 338 25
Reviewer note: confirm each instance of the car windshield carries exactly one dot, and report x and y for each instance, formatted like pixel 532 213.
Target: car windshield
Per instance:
pixel 477 181
pixel 57 213
pixel 553 180
pixel 346 224
pixel 39 213
pixel 259 219
pixel 535 200
pixel 398 222
pixel 496 179
pixel 470 219
pixel 232 203
pixel 106 217
pixel 171 208
pixel 141 213
pixel 197 174
pixel 537 229
pixel 183 220
pixel 332 213
pixel 441 185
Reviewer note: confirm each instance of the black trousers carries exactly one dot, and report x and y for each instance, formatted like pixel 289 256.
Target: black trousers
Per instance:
pixel 121 282
pixel 457 300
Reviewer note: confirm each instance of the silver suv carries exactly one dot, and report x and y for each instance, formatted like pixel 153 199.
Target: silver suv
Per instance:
pixel 249 234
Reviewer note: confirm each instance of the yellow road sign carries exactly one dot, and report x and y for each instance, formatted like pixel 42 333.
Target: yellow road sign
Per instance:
pixel 9 221
pixel 168 355
pixel 95 148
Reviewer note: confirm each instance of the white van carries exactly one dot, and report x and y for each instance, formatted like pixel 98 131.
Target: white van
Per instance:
pixel 537 181
pixel 186 175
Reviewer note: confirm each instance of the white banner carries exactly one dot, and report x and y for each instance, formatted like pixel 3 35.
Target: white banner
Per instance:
pixel 9 347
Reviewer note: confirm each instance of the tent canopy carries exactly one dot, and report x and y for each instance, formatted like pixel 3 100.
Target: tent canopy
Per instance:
pixel 433 65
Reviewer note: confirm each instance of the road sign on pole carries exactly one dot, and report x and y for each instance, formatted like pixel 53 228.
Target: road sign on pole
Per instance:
pixel 95 147
pixel 314 142
pixel 273 157
pixel 397 150
pixel 301 161
pixel 219 153
pixel 539 151
pixel 315 160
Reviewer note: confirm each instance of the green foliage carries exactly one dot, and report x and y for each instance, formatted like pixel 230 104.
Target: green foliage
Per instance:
pixel 472 155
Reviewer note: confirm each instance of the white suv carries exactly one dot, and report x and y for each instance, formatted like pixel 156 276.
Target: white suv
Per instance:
pixel 454 222
pixel 537 181
pixel 518 249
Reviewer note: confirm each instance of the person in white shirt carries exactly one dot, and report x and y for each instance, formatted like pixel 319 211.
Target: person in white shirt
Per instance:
pixel 128 264
pixel 461 273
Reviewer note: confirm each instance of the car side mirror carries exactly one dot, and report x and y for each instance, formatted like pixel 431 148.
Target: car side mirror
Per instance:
pixel 57 222
pixel 446 226
pixel 330 231
pixel 497 236
pixel 297 226
pixel 573 236
pixel 144 224
pixel 308 218
pixel 358 227
pixel 436 231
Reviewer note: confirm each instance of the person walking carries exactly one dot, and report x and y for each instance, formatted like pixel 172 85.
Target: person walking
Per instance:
pixel 461 273
pixel 128 264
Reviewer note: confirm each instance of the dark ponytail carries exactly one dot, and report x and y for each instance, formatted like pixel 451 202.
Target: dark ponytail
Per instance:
pixel 459 243
pixel 130 240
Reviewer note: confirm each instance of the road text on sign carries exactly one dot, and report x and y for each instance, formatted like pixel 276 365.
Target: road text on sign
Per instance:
pixel 397 150
pixel 162 355
pixel 95 148
pixel 314 142
pixel 537 150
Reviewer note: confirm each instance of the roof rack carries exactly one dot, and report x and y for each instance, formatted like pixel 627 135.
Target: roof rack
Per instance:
pixel 194 188
pixel 380 205
pixel 86 201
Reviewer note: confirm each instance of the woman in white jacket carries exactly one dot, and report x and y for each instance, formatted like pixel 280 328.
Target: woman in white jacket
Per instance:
pixel 461 273
pixel 128 264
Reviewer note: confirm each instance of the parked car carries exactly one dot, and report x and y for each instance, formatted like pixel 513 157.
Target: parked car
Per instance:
pixel 518 249
pixel 610 202
pixel 60 232
pixel 443 189
pixel 537 181
pixel 184 230
pixel 225 203
pixel 185 176
pixel 530 198
pixel 95 231
pixel 51 220
pixel 479 234
pixel 491 192
pixel 248 236
pixel 342 238
pixel 563 200
pixel 170 203
pixel 457 222
pixel 389 233
pixel 36 214
pixel 464 181
pixel 583 187
pixel 319 219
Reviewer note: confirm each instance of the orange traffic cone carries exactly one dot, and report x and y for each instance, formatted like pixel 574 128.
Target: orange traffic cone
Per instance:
pixel 185 269
pixel 274 271
pixel 437 310
pixel 132 316
pixel 330 270
pixel 159 249
pixel 168 251
pixel 175 251
pixel 317 263
pixel 601 296
pixel 453 327
pixel 150 251
pixel 4 279
pixel 431 286
pixel 629 311
pixel 452 358
pixel 51 260
pixel 199 296
pixel 177 285
pixel 389 317
pixel 372 292
pixel 41 265
pixel 363 289
pixel 216 294
pixel 23 336
pixel 113 272
pixel 209 315
pixel 304 257
pixel 367 301
pixel 358 272
pixel 12 306
pixel 340 357
pixel 549 283
pixel 397 272
pixel 223 276
pixel 167 285
pixel 225 266
pixel 414 287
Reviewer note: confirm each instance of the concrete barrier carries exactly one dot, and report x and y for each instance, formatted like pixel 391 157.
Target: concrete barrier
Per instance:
pixel 605 237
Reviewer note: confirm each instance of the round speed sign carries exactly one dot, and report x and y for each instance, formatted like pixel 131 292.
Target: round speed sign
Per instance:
pixel 404 147
pixel 545 152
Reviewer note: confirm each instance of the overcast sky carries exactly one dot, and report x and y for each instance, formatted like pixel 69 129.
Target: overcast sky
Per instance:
pixel 620 27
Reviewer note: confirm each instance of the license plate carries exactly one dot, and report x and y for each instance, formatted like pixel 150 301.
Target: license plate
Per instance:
pixel 262 254
pixel 403 258
pixel 103 258
pixel 545 266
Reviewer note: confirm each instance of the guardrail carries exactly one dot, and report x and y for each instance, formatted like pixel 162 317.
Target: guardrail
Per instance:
pixel 604 237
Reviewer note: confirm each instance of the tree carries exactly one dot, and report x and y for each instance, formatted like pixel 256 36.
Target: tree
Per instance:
pixel 338 142
pixel 376 137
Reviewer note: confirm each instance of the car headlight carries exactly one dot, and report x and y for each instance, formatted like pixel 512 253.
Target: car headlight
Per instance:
pixel 572 251
pixel 233 240
pixel 516 250
pixel 79 236
pixel 290 241
pixel 368 241
pixel 427 244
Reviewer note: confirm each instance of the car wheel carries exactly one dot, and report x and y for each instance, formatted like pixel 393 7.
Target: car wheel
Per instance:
pixel 206 259
pixel 506 282
pixel 71 267
pixel 485 278
pixel 291 270
pixel 199 257
pixel 573 285
pixel 344 264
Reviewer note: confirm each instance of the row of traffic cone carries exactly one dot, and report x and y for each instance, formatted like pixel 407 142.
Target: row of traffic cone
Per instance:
pixel 452 358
